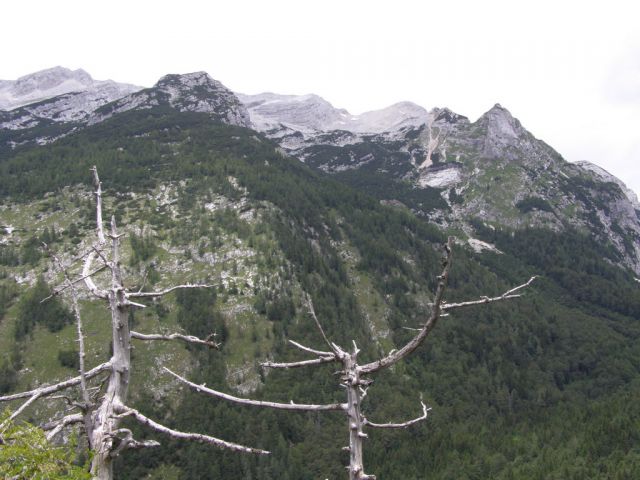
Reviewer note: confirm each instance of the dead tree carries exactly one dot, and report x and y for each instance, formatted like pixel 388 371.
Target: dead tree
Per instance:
pixel 102 412
pixel 354 377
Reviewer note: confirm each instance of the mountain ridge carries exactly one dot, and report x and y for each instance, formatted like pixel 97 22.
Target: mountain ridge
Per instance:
pixel 437 163
pixel 52 82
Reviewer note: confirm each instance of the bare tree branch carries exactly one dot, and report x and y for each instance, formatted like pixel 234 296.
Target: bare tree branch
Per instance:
pixel 127 411
pixel 257 403
pixel 88 281
pixel 134 304
pixel 59 290
pixel 56 427
pixel 177 336
pixel 505 296
pixel 98 192
pixel 165 291
pixel 129 443
pixel 44 391
pixel 303 363
pixel 134 444
pixel 429 324
pixel 33 398
pixel 338 352
pixel 76 314
pixel 311 350
pixel 406 424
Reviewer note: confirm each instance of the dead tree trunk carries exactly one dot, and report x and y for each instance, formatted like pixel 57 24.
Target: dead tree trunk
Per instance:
pixel 105 418
pixel 354 384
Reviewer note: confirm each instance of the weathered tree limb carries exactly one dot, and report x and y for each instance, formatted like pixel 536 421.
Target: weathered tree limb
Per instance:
pixel 429 324
pixel 139 294
pixel 165 291
pixel 127 411
pixel 320 353
pixel 129 443
pixel 59 290
pixel 406 424
pixel 303 363
pixel 86 271
pixel 86 400
pixel 88 281
pixel 505 296
pixel 98 193
pixel 44 391
pixel 76 314
pixel 257 403
pixel 334 348
pixel 56 427
pixel 32 399
pixel 177 336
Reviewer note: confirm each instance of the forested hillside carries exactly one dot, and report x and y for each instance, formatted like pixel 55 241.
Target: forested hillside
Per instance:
pixel 541 387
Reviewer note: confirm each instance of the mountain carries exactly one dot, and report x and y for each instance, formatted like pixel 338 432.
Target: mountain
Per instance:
pixel 50 83
pixel 202 200
pixel 56 115
pixel 452 171
pixel 311 113
pixel 193 92
pixel 44 106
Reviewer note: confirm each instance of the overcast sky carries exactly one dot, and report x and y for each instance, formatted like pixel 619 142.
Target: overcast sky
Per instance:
pixel 568 70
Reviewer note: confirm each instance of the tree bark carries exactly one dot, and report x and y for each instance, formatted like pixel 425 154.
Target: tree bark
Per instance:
pixel 105 420
pixel 353 384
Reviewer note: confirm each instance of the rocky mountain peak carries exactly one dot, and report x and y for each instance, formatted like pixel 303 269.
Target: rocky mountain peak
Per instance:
pixel 191 92
pixel 42 85
pixel 188 80
pixel 51 77
pixel 503 135
pixel 501 123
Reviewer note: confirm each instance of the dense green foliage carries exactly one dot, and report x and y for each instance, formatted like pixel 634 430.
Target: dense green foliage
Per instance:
pixel 36 308
pixel 538 388
pixel 26 453
pixel 534 203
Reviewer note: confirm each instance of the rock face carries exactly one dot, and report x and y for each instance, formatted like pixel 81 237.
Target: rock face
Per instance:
pixel 308 113
pixel 607 177
pixel 312 114
pixel 193 92
pixel 50 83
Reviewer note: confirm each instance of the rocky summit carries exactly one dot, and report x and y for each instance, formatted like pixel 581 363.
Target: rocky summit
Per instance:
pixel 193 92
